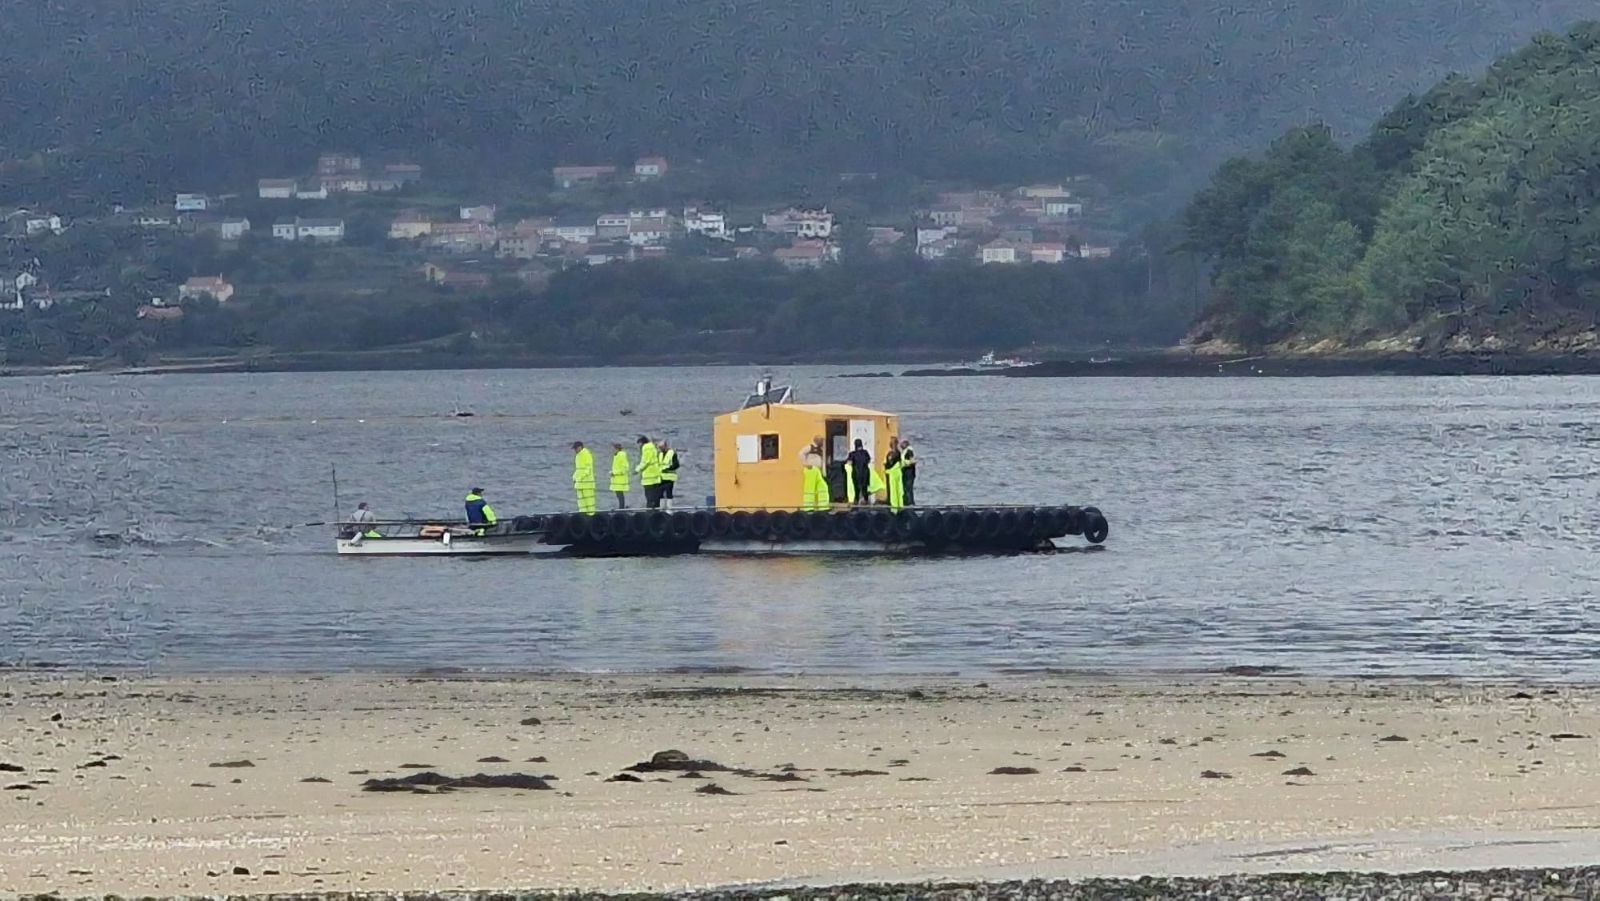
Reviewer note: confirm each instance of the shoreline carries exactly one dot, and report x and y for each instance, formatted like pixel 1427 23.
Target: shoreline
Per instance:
pixel 1166 363
pixel 165 785
pixel 1178 364
pixel 1243 674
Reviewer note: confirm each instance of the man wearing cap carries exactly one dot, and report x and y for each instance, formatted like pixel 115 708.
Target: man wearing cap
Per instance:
pixel 479 513
pixel 669 472
pixel 649 470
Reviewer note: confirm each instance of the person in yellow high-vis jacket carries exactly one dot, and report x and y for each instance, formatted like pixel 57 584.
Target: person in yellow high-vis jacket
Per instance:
pixel 892 476
pixel 814 486
pixel 649 470
pixel 620 475
pixel 583 477
pixel 669 472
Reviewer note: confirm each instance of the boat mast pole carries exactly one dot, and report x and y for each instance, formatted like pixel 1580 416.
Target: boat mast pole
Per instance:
pixel 337 517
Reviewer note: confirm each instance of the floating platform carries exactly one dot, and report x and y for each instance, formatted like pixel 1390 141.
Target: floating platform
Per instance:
pixel 867 529
pixel 861 530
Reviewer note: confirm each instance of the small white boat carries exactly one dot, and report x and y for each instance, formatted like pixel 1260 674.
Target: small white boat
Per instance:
pixel 425 539
pixel 989 361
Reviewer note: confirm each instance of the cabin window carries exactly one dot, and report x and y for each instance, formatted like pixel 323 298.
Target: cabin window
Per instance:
pixel 769 447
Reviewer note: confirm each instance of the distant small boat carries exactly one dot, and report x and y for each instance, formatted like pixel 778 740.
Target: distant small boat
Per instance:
pixel 989 361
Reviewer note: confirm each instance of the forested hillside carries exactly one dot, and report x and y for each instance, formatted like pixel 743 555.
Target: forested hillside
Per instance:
pixel 639 312
pixel 1470 217
pixel 133 96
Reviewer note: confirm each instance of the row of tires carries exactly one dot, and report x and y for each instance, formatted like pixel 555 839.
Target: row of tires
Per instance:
pixel 981 526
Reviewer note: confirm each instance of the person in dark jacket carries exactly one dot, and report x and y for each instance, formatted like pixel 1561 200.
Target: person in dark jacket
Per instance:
pixel 860 463
pixel 908 471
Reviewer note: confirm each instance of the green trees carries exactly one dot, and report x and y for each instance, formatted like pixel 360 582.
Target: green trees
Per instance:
pixel 675 308
pixel 115 99
pixel 1284 232
pixel 1477 202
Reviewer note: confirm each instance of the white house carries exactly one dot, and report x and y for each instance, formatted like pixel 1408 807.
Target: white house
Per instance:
pixel 338 162
pixel 611 225
pixel 480 213
pixel 461 237
pixel 575 229
pixel 800 223
pixel 1094 251
pixel 1040 192
pixel 1062 208
pixel 410 225
pixel 233 229
pixel 276 188
pixel 152 220
pixel 325 231
pixel 191 203
pixel 998 252
pixel 937 250
pixel 648 231
pixel 345 183
pixel 311 190
pixel 926 236
pixel 710 223
pixel 206 286
pixel 322 231
pixel 1049 252
pixel 650 167
pixel 39 223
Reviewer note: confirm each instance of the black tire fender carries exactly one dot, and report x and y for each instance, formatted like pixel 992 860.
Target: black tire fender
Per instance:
pixel 700 523
pixel 955 525
pixel 659 525
pixel 681 526
pixel 859 525
pixel 972 527
pixel 778 523
pixel 1095 527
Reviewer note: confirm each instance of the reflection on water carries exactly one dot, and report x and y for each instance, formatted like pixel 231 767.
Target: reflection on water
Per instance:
pixel 1328 525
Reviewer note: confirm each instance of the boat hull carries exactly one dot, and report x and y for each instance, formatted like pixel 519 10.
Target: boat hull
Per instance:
pixel 497 546
pixel 833 531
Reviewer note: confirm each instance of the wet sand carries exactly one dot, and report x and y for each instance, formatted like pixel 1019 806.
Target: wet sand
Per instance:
pixel 255 784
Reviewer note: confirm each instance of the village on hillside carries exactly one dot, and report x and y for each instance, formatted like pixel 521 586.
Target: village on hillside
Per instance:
pixel 461 244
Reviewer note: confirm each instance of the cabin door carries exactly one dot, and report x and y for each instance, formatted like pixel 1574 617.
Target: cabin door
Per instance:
pixel 836 441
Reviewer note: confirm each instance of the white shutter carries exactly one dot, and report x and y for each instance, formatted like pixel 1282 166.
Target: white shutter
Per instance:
pixel 866 430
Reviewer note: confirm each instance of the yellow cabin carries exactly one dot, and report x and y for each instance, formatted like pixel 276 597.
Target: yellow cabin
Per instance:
pixel 758 450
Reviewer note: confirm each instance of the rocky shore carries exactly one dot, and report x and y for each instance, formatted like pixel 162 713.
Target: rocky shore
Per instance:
pixel 1177 364
pixel 1491 885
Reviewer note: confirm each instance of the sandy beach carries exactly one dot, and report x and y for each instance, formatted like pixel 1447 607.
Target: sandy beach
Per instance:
pixel 256 784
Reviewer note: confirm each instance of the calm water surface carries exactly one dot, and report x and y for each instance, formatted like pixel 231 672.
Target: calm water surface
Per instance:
pixel 1328 525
